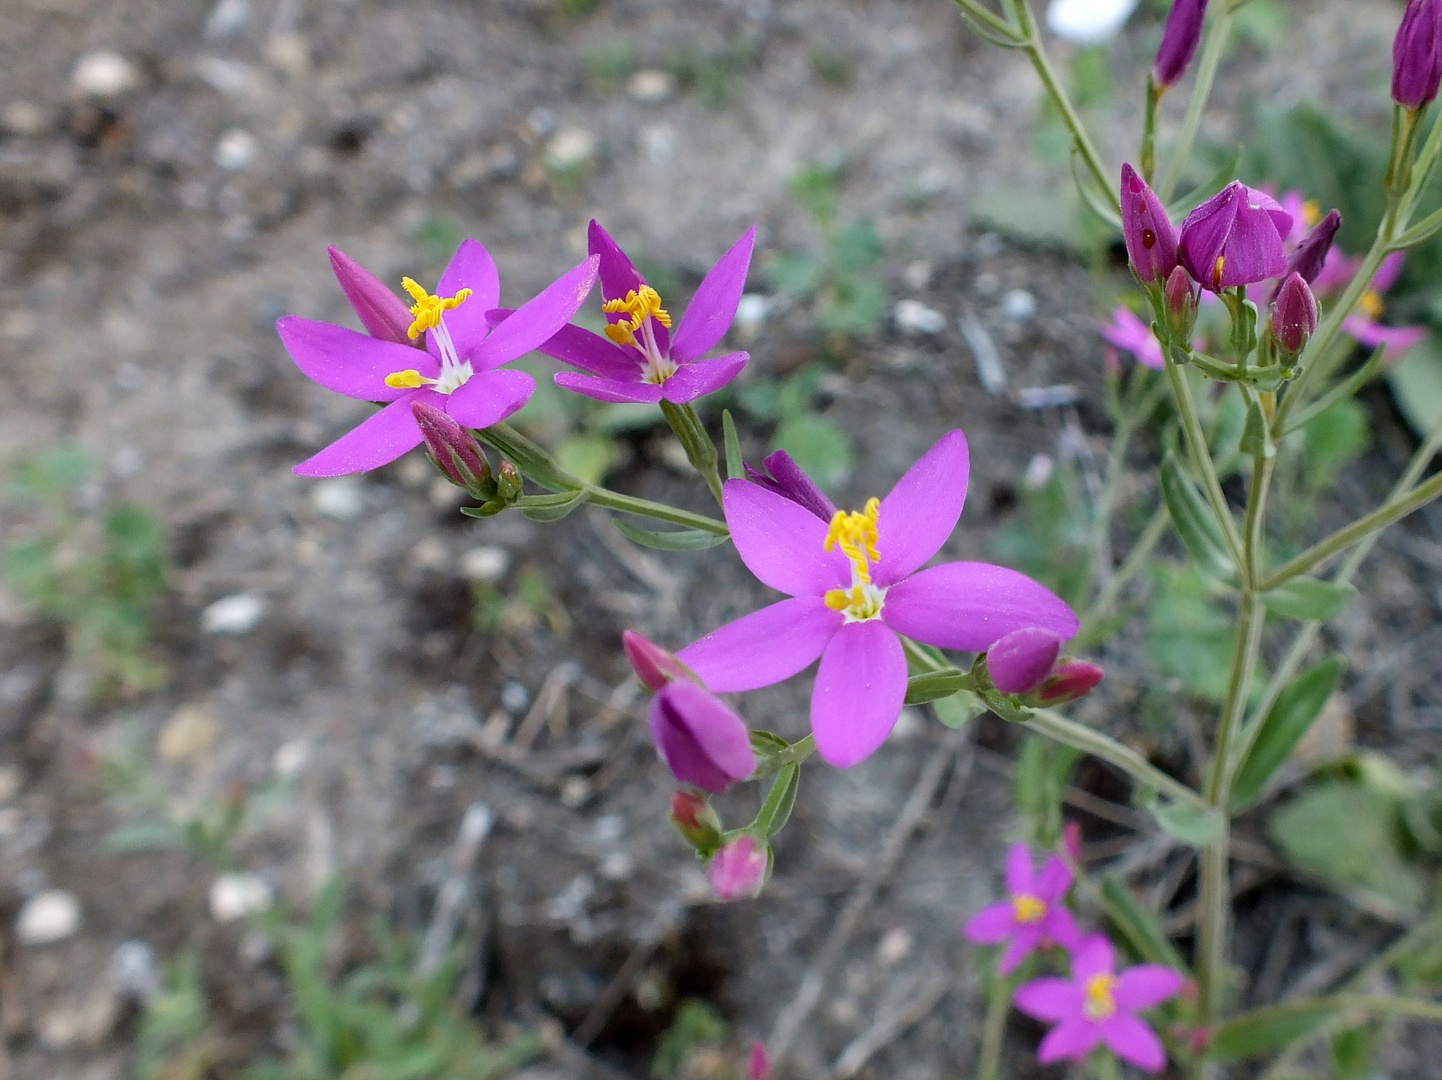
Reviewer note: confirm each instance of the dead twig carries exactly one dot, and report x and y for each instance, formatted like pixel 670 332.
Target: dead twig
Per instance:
pixel 549 707
pixel 666 918
pixel 458 890
pixel 889 1026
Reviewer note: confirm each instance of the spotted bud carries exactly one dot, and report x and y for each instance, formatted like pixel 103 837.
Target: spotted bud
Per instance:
pixel 1150 237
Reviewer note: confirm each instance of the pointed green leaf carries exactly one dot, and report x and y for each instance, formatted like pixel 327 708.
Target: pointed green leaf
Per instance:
pixel 1289 719
pixel 959 709
pixel 735 468
pixel 779 801
pixel 1191 825
pixel 1256 438
pixel 934 685
pixel 550 507
pixel 531 459
pixel 1139 925
pixel 675 540
pixel 1309 599
pixel 1264 1031
pixel 1192 517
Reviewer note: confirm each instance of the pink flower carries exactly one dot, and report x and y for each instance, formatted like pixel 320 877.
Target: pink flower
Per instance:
pixel 1235 238
pixel 738 870
pixel 1035 916
pixel 1130 334
pixel 854 587
pixel 1100 1005
pixel 456 372
pixel 1362 324
pixel 700 739
pixel 639 359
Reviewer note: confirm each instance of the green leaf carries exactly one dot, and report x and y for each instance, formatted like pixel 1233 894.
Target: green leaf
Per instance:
pixel 735 467
pixel 1190 637
pixel 1190 824
pixel 959 709
pixel 676 540
pixel 531 459
pixel 1332 439
pixel 1256 439
pixel 855 305
pixel 1043 770
pixel 551 507
pixel 1296 708
pixel 1264 1031
pixel 1139 925
pixel 1192 517
pixel 934 685
pixel 780 800
pixel 859 246
pixel 821 447
pixel 1309 599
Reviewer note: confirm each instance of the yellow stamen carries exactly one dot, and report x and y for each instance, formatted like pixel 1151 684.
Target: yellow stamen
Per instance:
pixel 860 602
pixel 1217 271
pixel 409 379
pixel 1100 1002
pixel 857 535
pixel 620 333
pixel 428 307
pixel 1029 909
pixel 1311 212
pixel 1371 304
pixel 640 305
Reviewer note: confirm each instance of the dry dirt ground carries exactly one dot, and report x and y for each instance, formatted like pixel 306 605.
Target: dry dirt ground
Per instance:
pixel 151 238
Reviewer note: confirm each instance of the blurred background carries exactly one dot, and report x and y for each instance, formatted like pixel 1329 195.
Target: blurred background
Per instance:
pixel 309 779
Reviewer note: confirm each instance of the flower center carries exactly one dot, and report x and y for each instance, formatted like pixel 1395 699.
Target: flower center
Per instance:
pixel 855 532
pixel 639 332
pixel 1099 1003
pixel 1371 304
pixel 429 311
pixel 1029 909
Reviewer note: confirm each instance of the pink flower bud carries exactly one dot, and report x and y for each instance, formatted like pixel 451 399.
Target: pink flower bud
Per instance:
pixel 738 870
pixel 695 820
pixel 1311 254
pixel 1021 661
pixel 759 1065
pixel 383 313
pixel 1182 297
pixel 1294 315
pixel 701 741
pixel 779 473
pixel 457 454
pixel 652 664
pixel 1071 840
pixel 1235 238
pixel 1150 237
pixel 1071 679
pixel 1417 54
pixel 1179 40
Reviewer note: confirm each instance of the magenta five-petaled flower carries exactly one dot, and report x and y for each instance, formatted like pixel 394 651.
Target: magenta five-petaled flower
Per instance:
pixel 640 359
pixel 1129 334
pixel 855 583
pixel 1099 1005
pixel 1036 915
pixel 456 371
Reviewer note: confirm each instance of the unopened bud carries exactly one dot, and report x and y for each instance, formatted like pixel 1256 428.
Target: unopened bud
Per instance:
pixel 1294 316
pixel 454 451
pixel 1150 236
pixel 758 1066
pixel 1310 255
pixel 1182 295
pixel 652 664
pixel 1071 679
pixel 696 821
pixel 699 738
pixel 781 474
pixel 1417 55
pixel 508 482
pixel 1179 40
pixel 738 870
pixel 1021 661
pixel 1071 840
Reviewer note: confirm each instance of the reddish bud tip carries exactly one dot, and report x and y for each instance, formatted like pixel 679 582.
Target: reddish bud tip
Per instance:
pixel 1071 679
pixel 652 664
pixel 1071 840
pixel 695 821
pixel 759 1065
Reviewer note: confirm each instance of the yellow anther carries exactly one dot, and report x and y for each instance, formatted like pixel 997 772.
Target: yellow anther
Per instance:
pixel 428 307
pixel 1217 271
pixel 640 305
pixel 1100 1002
pixel 1029 909
pixel 1371 304
pixel 409 379
pixel 1311 212
pixel 860 602
pixel 856 534
pixel 620 333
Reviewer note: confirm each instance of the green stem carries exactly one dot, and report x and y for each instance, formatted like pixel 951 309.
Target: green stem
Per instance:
pixel 700 450
pixel 1212 49
pixel 629 504
pixel 1202 458
pixel 994 1031
pixel 1149 127
pixel 799 751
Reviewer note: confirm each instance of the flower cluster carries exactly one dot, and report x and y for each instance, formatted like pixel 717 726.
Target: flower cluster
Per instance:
pixel 1097 1005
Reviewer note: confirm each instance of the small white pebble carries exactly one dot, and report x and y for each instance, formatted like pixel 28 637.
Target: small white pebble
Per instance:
pixel 234 896
pixel 135 971
pixel 753 310
pixel 104 74
pixel 291 758
pixel 1038 471
pixel 917 275
pixel 570 148
pixel 226 18
pixel 47 917
pixel 895 946
pixel 650 85
pixel 515 696
pixel 1019 304
pixel 914 317
pixel 486 563
pixel 238 614
pixel 23 118
pixel 340 500
pixel 236 149
pixel 616 866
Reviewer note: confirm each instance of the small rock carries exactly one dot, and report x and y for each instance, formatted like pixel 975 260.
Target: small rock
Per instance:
pixel 1039 471
pixel 1020 305
pixel 289 53
pixel 570 149
pixel 650 86
pixel 487 563
pixel 291 758
pixel 236 149
pixel 430 553
pixel 917 275
pixel 340 500
pixel 514 696
pixel 235 896
pixel 188 735
pixel 23 118
pixel 616 866
pixel 914 317
pixel 127 461
pixel 135 971
pixel 104 74
pixel 542 120
pixel 12 779
pixel 658 143
pixel 753 310
pixel 85 1023
pixel 226 76
pixel 47 917
pixel 226 18
pixel 238 614
pixel 895 946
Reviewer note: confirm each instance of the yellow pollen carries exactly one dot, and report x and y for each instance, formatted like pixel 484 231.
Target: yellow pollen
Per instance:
pixel 428 307
pixel 409 379
pixel 1029 909
pixel 1217 271
pixel 1311 212
pixel 857 535
pixel 861 602
pixel 1099 1003
pixel 640 305
pixel 1371 304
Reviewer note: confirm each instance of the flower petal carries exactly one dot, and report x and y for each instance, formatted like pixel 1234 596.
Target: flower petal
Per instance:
pixel 608 389
pixel 1023 945
pixel 1058 926
pixel 1206 231
pixel 991 924
pixel 590 352
pixel 1147 986
pixel 1021 661
pixel 1397 339
pixel 701 739
pixel 1388 273
pixel 1093 955
pixel 348 362
pixel 764 647
pixel 377 441
pixel 618 274
pixel 859 690
pixel 383 313
pixel 1071 1040
pixel 1020 879
pixel 922 509
pixel 782 543
pixel 489 397
pixel 1054 880
pixel 471 267
pixel 537 320
pixel 1131 1040
pixel 702 377
pixel 1049 999
pixel 713 306
pixel 969 605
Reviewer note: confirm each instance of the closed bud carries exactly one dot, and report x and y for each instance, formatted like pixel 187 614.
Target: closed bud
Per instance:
pixel 384 314
pixel 696 821
pixel 738 870
pixel 652 664
pixel 1071 840
pixel 1069 680
pixel 1182 294
pixel 701 741
pixel 1021 661
pixel 779 473
pixel 1311 254
pixel 1179 40
pixel 454 451
pixel 1294 316
pixel 508 482
pixel 1150 237
pixel 758 1066
pixel 1235 238
pixel 1417 55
